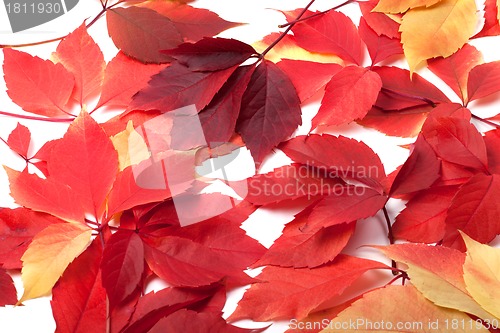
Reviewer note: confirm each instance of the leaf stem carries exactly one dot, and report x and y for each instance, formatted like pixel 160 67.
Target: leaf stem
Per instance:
pixel 52 120
pixel 316 14
pixel 485 121
pixel 390 236
pixel 419 98
pixel 284 33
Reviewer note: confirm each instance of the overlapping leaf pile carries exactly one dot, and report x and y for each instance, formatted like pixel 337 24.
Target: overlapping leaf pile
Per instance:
pixel 90 235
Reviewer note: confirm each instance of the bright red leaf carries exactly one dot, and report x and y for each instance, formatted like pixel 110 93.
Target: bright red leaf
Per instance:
pixel 380 47
pixel 19 140
pixel 38 86
pixel 8 293
pixel 484 80
pixel 349 95
pixel 381 24
pixel 270 110
pixel 491 23
pixel 492 142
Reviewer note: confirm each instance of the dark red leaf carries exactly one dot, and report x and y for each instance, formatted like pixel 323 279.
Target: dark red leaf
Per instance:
pixel 92 171
pixel 339 156
pixel 380 23
pixel 122 265
pixel 300 246
pixel 270 110
pixel 484 80
pixel 79 299
pixel 456 140
pixel 294 293
pixel 190 321
pixel 474 210
pixel 176 87
pixel 380 47
pixel 454 70
pixel 8 293
pixel 123 78
pixel 349 95
pixel 192 23
pixel 332 32
pixel 17 229
pixel 19 140
pixel 308 77
pixel 219 118
pixel 38 86
pixel 423 219
pixel 80 55
pixel 211 54
pixel 127 26
pixel 421 169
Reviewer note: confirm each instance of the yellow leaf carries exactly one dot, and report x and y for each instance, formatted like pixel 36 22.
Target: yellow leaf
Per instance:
pixel 437 31
pixel 482 274
pixel 51 251
pixel 400 309
pixel 392 6
pixel 130 146
pixel 437 273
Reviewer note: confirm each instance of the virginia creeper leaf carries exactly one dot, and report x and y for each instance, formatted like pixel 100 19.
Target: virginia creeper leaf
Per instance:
pixel 83 58
pixel 491 19
pixel 492 141
pixel 484 80
pixel 127 26
pixel 38 86
pixel 349 95
pixel 19 140
pixel 380 47
pixel 48 256
pixel 449 25
pixel 382 24
pixel 211 54
pixel 8 293
pixel 294 293
pixel 270 110
pixel 79 299
pixel 122 265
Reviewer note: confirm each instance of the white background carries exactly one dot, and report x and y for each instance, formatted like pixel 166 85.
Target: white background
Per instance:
pixel 264 225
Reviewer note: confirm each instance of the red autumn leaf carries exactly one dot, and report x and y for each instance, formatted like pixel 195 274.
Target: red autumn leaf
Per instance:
pixel 155 305
pixel 8 293
pixel 456 140
pixel 380 23
pixel 308 77
pixel 491 24
pixel 19 140
pixel 192 23
pixel 218 119
pixel 294 293
pixel 270 110
pixel 349 95
pixel 123 78
pixel 403 123
pixel 126 193
pixel 421 169
pixel 80 55
pixel 454 70
pixel 474 210
pixel 202 254
pixel 79 299
pixel 155 32
pixel 349 204
pixel 176 87
pixel 339 156
pixel 211 54
pixel 492 141
pixel 289 183
pixel 122 265
pixel 45 195
pixel 190 321
pixel 300 246
pixel 38 86
pixel 92 171
pixel 423 219
pixel 120 315
pixel 401 92
pixel 484 80
pixel 332 32
pixel 454 174
pixel 17 229
pixel 379 47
